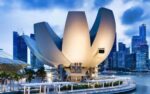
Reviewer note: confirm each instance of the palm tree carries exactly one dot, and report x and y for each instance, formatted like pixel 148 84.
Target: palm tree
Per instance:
pixel 41 73
pixel 11 76
pixel 29 74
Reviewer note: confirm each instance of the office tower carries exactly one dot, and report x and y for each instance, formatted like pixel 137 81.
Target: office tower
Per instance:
pixel 140 48
pixel 115 60
pixel 35 63
pixel 139 40
pixel 136 41
pixel 127 50
pixel 122 52
pixel 19 47
pixel 148 64
pixel 142 57
pixel 130 62
pixel 142 32
pixel 32 56
pixel 121 60
pixel 122 46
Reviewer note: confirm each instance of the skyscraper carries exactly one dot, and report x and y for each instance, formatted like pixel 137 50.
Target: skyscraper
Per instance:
pixel 122 46
pixel 136 41
pixel 19 47
pixel 130 62
pixel 142 32
pixel 32 56
pixel 115 60
pixel 140 48
pixel 35 63
pixel 142 57
pixel 122 53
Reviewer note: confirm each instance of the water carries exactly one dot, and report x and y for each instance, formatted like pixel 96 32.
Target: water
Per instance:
pixel 142 81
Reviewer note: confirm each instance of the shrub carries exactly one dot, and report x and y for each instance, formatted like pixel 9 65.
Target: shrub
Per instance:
pixel 85 86
pixel 98 85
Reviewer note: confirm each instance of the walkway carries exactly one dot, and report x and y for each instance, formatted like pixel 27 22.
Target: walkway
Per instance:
pixel 128 84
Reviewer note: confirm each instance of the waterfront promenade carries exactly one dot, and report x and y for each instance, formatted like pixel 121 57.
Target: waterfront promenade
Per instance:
pixel 127 85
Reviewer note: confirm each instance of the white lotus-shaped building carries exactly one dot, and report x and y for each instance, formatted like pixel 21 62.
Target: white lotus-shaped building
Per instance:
pixel 80 50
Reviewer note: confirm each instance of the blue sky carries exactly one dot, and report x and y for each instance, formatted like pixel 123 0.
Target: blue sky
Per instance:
pixel 20 15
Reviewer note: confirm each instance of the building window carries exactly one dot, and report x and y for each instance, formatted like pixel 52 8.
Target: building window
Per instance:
pixel 101 50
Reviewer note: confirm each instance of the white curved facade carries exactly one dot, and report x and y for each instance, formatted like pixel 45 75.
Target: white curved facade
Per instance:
pixel 76 39
pixel 103 34
pixel 48 44
pixel 33 47
pixel 79 45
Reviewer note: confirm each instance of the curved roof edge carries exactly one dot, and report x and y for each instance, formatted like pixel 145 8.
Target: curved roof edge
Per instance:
pixel 57 40
pixel 97 22
pixel 32 45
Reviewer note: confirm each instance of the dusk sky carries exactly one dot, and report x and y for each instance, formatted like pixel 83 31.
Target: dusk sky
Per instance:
pixel 20 15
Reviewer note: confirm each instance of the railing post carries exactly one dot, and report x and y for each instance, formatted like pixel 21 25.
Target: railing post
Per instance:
pixel 112 83
pixel 24 89
pixel 45 89
pixel 71 87
pixel 59 87
pixel 29 90
pixel 40 91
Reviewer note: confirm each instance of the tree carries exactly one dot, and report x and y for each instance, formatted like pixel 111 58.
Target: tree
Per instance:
pixel 29 74
pixel 41 73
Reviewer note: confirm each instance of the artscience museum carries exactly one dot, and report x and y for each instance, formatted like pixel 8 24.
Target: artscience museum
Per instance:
pixel 81 49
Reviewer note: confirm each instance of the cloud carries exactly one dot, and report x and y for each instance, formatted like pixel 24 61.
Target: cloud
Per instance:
pixel 141 1
pixel 40 4
pixel 101 3
pixel 5 5
pixel 131 32
pixel 133 15
pixel 126 1
pixel 44 4
pixel 145 1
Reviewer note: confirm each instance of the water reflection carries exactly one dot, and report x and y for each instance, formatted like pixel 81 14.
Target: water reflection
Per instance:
pixel 143 83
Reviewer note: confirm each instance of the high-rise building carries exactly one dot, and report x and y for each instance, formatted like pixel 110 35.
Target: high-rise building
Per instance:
pixel 122 52
pixel 19 47
pixel 142 57
pixel 122 46
pixel 32 56
pixel 140 48
pixel 139 40
pixel 121 59
pixel 142 32
pixel 130 62
pixel 35 63
pixel 136 41
pixel 148 64
pixel 115 60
